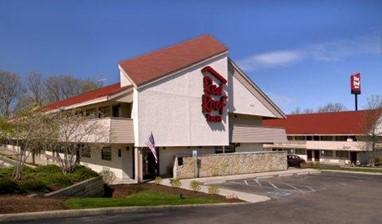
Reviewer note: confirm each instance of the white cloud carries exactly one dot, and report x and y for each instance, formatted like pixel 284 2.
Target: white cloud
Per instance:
pixel 329 52
pixel 270 59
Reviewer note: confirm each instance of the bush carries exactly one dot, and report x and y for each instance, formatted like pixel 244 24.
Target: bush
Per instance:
pixel 8 186
pixel 48 169
pixel 81 173
pixel 6 172
pixel 33 185
pixel 213 189
pixel 378 161
pixel 195 185
pixel 176 183
pixel 57 179
pixel 158 180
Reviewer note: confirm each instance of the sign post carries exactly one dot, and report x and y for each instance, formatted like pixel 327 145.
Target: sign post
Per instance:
pixel 355 86
pixel 195 158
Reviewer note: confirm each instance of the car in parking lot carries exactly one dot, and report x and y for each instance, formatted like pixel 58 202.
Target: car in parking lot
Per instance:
pixel 295 160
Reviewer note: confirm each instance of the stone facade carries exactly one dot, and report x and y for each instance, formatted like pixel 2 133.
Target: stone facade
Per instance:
pixel 229 164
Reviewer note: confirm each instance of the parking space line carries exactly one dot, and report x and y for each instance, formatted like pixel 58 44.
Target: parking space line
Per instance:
pixel 245 181
pixel 296 188
pixel 274 186
pixel 311 189
pixel 258 183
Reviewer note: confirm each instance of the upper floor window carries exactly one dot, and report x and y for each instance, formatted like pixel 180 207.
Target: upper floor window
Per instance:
pixel 326 138
pixel 341 138
pixel 104 112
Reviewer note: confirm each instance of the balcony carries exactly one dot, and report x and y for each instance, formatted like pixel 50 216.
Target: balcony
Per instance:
pixel 116 129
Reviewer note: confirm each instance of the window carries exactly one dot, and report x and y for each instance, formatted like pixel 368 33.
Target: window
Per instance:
pixel 228 149
pixel 341 138
pixel 290 138
pixel 316 138
pixel 86 151
pixel 119 153
pixel 104 112
pixel 106 153
pixel 342 154
pixel 326 138
pixel 300 151
pixel 327 153
pixel 91 113
pixel 299 138
pixel 180 161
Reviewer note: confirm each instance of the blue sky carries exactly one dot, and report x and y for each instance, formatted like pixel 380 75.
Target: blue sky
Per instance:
pixel 300 53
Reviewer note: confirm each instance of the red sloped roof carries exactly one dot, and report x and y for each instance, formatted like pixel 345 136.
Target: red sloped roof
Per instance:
pixel 347 122
pixel 154 65
pixel 91 95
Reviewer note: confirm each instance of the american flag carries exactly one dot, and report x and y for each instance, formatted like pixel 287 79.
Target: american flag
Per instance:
pixel 151 144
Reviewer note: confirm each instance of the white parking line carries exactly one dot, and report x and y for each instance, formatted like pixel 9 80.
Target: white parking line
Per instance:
pixel 245 181
pixel 295 188
pixel 274 186
pixel 311 189
pixel 258 183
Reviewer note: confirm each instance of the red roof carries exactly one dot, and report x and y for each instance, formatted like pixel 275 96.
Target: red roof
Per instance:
pixel 160 63
pixel 347 122
pixel 91 95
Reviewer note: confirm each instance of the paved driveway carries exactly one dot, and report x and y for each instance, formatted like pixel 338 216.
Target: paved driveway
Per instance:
pixel 339 198
pixel 277 186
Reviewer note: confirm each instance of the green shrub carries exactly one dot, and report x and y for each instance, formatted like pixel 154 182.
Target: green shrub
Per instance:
pixel 81 173
pixel 48 169
pixel 6 172
pixel 378 160
pixel 33 185
pixel 8 186
pixel 213 189
pixel 158 180
pixel 176 183
pixel 57 179
pixel 195 185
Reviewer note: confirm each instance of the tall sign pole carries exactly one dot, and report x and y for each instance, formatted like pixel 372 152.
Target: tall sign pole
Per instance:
pixel 355 87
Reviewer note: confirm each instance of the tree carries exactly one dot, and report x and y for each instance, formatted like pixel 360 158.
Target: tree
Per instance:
pixel 371 122
pixel 331 107
pixel 10 90
pixel 73 133
pixel 60 87
pixel 24 132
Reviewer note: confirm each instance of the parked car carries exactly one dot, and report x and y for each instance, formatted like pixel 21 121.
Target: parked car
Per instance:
pixel 295 160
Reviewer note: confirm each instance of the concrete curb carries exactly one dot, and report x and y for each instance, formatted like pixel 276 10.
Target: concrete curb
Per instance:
pixel 353 172
pixel 98 211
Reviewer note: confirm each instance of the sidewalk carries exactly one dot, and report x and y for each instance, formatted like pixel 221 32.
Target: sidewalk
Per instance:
pixel 251 198
pixel 8 155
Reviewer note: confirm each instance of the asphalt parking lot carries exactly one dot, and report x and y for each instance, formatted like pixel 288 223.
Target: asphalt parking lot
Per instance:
pixel 278 186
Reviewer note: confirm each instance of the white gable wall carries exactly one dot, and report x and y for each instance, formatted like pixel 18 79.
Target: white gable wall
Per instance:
pixel 244 102
pixel 171 109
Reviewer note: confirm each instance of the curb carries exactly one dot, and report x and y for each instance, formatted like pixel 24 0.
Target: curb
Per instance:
pixel 353 172
pixel 99 211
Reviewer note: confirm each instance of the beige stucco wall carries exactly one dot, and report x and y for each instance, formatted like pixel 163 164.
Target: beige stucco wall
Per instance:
pixel 171 109
pixel 231 164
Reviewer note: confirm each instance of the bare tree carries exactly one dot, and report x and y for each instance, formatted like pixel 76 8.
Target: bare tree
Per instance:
pixel 331 107
pixel 10 89
pixel 75 133
pixel 23 132
pixel 371 123
pixel 60 87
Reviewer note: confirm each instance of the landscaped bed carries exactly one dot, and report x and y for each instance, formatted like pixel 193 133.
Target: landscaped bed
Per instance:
pixel 123 195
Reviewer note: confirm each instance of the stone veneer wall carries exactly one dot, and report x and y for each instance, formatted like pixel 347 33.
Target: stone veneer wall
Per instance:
pixel 230 164
pixel 89 188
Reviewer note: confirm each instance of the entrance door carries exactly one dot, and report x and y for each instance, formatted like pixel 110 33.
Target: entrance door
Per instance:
pixel 317 155
pixel 309 155
pixel 150 168
pixel 353 157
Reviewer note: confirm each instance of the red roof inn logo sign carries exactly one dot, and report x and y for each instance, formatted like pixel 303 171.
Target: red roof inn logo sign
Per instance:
pixel 355 83
pixel 213 98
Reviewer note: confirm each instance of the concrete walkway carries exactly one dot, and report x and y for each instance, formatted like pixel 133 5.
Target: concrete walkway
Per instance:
pixel 251 198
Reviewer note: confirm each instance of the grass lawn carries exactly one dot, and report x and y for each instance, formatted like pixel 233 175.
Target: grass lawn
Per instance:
pixel 321 166
pixel 144 198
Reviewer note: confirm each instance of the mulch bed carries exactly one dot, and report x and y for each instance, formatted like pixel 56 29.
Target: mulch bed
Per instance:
pixel 22 203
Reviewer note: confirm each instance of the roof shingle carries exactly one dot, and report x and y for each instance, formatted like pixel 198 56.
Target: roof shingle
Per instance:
pixel 157 64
